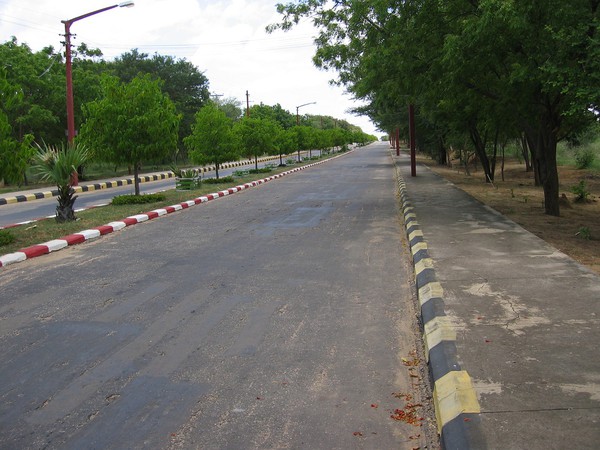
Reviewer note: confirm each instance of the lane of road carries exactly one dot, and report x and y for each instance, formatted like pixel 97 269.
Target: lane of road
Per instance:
pixel 279 317
pixel 22 212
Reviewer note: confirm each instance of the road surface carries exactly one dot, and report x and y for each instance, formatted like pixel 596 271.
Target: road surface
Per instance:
pixel 279 317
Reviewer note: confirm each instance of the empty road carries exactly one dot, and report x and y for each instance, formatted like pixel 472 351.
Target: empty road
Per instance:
pixel 279 317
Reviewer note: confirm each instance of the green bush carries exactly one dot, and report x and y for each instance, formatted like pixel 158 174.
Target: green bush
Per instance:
pixel 584 157
pixel 6 238
pixel 228 179
pixel 581 191
pixel 138 199
pixel 261 170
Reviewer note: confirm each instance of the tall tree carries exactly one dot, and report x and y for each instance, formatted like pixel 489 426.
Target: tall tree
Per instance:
pixel 133 122
pixel 515 66
pixel 15 154
pixel 257 136
pixel 39 77
pixel 212 140
pixel 183 82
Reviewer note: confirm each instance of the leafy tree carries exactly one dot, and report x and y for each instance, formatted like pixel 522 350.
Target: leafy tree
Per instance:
pixel 39 78
pixel 487 69
pixel 231 106
pixel 257 136
pixel 212 140
pixel 14 154
pixel 274 113
pixel 185 85
pixel 57 164
pixel 286 142
pixel 131 123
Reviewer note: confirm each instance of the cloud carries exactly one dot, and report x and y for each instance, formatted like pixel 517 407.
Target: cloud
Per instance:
pixel 225 39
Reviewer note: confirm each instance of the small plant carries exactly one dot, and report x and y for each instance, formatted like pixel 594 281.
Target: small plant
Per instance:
pixel 57 165
pixel 228 179
pixel 290 161
pixel 6 238
pixel 580 190
pixel 584 157
pixel 138 199
pixel 184 173
pixel 261 170
pixel 584 233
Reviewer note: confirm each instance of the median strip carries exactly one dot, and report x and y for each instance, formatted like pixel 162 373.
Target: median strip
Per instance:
pixel 83 236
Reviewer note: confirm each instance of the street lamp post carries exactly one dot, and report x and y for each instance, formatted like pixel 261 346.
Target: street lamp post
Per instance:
pixel 298 115
pixel 69 69
pixel 298 120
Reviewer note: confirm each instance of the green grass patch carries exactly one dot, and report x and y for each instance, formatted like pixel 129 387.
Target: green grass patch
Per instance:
pixel 228 179
pixel 6 238
pixel 47 230
pixel 261 170
pixel 138 199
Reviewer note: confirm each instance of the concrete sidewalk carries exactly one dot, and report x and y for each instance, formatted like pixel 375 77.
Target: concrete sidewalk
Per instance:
pixel 510 320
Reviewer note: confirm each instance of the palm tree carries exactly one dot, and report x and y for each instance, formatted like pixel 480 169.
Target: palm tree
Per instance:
pixel 57 164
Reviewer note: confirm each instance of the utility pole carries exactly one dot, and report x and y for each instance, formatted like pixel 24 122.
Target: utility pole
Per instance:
pixel 247 104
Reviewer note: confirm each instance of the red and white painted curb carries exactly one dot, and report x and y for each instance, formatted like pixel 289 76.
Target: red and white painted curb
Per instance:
pixel 94 233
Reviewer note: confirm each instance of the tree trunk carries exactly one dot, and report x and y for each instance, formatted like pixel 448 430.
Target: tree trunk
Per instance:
pixel 66 200
pixel 136 180
pixel 442 156
pixel 543 144
pixel 256 162
pixel 525 152
pixel 217 170
pixel 481 153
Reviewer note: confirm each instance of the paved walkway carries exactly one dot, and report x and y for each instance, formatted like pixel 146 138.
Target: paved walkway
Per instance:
pixel 511 324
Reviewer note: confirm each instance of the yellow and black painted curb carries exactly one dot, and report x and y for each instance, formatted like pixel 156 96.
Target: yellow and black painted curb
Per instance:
pixel 122 182
pixel 456 407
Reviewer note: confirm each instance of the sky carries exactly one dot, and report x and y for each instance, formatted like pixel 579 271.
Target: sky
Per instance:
pixel 225 39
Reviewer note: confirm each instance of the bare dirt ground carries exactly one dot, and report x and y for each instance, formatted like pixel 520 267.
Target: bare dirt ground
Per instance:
pixel 576 232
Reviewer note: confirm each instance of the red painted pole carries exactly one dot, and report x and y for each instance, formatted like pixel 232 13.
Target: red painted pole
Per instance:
pixel 69 73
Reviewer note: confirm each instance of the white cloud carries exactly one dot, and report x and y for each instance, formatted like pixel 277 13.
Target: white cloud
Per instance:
pixel 226 39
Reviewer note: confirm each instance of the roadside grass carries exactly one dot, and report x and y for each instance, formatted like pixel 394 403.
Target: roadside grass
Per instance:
pixel 47 230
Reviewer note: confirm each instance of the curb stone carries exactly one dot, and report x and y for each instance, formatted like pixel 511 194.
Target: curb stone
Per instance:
pixel 456 407
pixel 86 235
pixel 118 183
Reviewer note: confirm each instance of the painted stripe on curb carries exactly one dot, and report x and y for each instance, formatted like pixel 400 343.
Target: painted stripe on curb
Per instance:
pixel 453 396
pixel 78 238
pixel 56 244
pixel 456 406
pixel 437 330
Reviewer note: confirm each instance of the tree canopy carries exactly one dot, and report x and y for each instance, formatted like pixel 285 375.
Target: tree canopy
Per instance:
pixel 212 140
pixel 484 70
pixel 132 122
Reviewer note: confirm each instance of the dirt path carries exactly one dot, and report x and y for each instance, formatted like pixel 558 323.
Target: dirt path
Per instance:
pixel 576 232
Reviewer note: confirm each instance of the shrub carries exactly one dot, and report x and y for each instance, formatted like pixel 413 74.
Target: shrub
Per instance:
pixel 261 170
pixel 184 173
pixel 6 238
pixel 584 233
pixel 227 179
pixel 581 191
pixel 584 157
pixel 138 199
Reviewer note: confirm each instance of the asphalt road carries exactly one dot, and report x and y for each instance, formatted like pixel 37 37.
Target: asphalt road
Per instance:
pixel 277 317
pixel 36 209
